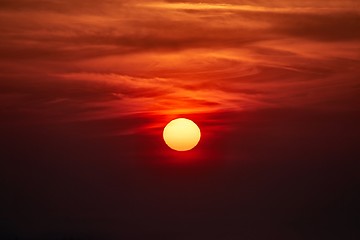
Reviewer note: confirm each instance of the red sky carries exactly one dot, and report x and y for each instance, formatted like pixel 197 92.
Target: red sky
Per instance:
pixel 161 57
pixel 90 85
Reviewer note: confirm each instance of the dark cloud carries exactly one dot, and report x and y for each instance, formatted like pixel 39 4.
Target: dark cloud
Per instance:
pixel 281 3
pixel 322 27
pixel 65 7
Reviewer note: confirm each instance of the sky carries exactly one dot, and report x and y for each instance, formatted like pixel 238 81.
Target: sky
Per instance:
pixel 86 88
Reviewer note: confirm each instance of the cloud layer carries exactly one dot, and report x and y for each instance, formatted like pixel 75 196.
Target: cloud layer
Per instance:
pixel 173 57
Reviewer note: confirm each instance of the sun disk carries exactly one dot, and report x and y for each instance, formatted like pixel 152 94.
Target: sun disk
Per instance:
pixel 181 134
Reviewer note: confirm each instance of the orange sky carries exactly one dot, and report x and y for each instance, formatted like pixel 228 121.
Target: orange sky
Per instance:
pixel 88 59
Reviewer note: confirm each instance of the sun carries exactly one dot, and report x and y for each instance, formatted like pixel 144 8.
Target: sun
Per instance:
pixel 181 134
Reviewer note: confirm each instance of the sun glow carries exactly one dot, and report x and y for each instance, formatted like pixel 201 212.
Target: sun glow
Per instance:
pixel 181 134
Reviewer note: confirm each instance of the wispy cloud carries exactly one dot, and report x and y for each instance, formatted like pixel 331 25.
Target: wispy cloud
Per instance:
pixel 179 57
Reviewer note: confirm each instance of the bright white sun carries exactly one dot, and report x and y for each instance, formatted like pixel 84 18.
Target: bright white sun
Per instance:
pixel 181 134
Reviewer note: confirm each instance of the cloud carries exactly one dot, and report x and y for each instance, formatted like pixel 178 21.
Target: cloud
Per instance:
pixel 161 27
pixel 115 58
